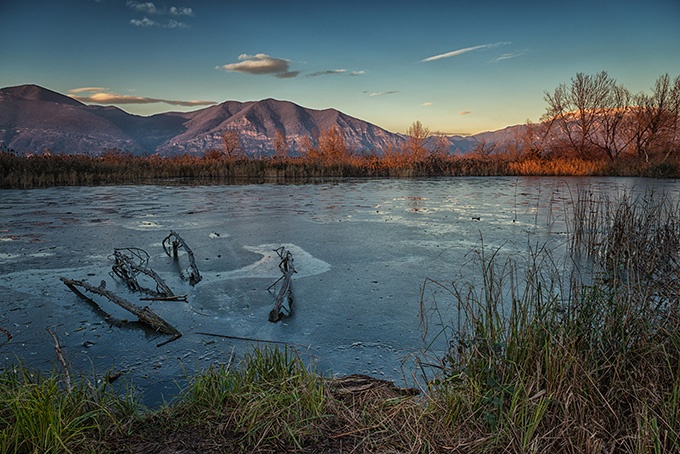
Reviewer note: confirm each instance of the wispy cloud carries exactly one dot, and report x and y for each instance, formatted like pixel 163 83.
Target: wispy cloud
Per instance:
pixel 146 22
pixel 260 64
pixel 357 73
pixel 330 72
pixel 171 23
pixel 150 8
pixel 87 90
pixel 180 11
pixel 464 112
pixel 383 93
pixel 99 95
pixel 462 51
pixel 508 56
pixel 427 104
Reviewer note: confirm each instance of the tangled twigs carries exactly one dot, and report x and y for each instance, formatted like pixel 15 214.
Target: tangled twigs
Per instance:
pixel 171 244
pixel 127 269
pixel 285 292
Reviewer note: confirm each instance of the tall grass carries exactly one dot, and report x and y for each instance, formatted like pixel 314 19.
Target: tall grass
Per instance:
pixel 543 360
pixel 38 414
pixel 270 399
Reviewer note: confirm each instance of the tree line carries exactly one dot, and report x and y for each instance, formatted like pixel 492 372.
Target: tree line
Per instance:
pixel 595 116
pixel 592 126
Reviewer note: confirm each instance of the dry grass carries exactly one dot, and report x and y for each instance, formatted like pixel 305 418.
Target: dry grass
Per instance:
pixel 25 172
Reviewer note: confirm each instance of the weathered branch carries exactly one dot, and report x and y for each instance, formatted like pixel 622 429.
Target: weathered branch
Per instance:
pixel 285 294
pixel 127 270
pixel 166 298
pixel 247 339
pixel 6 333
pixel 145 314
pixel 176 242
pixel 62 361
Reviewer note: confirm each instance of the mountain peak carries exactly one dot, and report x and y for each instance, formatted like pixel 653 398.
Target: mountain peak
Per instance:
pixel 32 92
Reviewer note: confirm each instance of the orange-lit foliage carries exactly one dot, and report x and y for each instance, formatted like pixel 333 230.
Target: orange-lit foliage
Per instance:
pixel 328 158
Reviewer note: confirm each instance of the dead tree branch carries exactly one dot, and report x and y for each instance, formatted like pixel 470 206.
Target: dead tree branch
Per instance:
pixel 285 294
pixel 171 244
pixel 127 270
pixel 62 361
pixel 6 333
pixel 145 314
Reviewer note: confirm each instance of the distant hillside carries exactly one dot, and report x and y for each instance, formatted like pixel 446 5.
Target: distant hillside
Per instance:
pixel 34 119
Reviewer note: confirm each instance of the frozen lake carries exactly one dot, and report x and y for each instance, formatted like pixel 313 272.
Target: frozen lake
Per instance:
pixel 362 249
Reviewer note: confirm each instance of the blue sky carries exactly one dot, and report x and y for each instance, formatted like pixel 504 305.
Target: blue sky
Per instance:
pixel 458 67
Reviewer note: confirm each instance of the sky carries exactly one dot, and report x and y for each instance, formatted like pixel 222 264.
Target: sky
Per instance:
pixel 457 67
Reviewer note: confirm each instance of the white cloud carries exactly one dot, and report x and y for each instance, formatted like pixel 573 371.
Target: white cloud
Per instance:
pixel 175 24
pixel 181 11
pixel 427 104
pixel 150 8
pixel 259 64
pixel 383 93
pixel 98 95
pixel 457 52
pixel 357 73
pixel 508 56
pixel 147 8
pixel 146 22
pixel 87 89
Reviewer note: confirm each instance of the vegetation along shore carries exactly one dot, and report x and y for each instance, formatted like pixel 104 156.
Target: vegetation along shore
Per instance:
pixel 545 356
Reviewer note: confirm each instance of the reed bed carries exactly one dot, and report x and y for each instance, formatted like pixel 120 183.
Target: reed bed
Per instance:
pixel 580 356
pixel 114 167
pixel 537 354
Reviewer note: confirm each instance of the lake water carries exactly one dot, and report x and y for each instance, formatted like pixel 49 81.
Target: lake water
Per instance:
pixel 362 250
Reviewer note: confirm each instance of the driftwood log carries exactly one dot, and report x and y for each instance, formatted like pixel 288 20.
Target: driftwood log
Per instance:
pixel 283 306
pixel 171 244
pixel 145 314
pixel 129 263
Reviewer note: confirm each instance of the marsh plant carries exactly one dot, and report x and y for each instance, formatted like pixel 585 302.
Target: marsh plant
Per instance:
pixel 42 414
pixel 581 356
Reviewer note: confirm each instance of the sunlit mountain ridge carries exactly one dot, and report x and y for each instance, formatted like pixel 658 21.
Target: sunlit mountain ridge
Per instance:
pixel 34 119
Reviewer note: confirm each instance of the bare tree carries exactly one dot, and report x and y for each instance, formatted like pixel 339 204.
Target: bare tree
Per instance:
pixel 417 136
pixel 280 144
pixel 231 143
pixel 576 109
pixel 442 144
pixel 612 119
pixel 534 139
pixel 332 146
pixel 654 121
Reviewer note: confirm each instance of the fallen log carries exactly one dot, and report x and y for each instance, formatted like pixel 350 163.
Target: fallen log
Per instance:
pixel 171 244
pixel 145 314
pixel 285 294
pixel 127 270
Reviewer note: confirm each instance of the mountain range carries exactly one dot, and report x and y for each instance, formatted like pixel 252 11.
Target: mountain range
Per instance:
pixel 34 119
